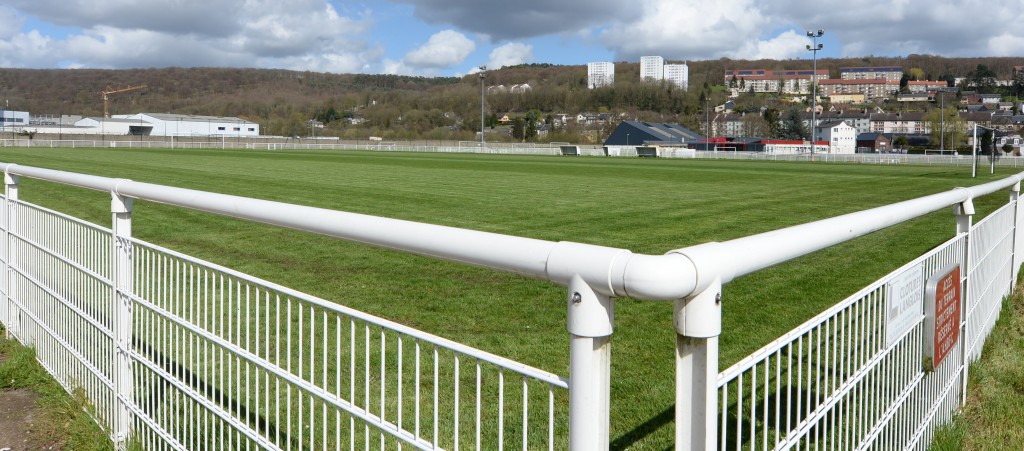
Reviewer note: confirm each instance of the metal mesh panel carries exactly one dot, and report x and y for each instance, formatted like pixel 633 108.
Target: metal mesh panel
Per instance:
pixel 60 299
pixel 229 361
pixel 833 383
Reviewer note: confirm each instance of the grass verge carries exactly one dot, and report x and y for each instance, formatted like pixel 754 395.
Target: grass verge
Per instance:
pixel 994 415
pixel 64 422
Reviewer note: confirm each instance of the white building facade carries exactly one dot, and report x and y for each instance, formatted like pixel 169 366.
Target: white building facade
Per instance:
pixel 652 68
pixel 191 125
pixel 841 137
pixel 889 73
pixel 10 118
pixel 678 74
pixel 108 126
pixel 600 74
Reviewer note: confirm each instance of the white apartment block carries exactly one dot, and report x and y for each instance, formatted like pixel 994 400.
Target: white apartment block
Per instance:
pixel 871 88
pixel 785 81
pixel 600 74
pixel 891 73
pixel 652 68
pixel 678 74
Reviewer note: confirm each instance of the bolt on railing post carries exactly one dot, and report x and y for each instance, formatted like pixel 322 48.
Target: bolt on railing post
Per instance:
pixel 964 217
pixel 9 282
pixel 590 317
pixel 121 276
pixel 698 323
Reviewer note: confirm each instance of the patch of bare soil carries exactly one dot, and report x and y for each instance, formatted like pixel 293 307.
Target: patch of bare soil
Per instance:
pixel 19 417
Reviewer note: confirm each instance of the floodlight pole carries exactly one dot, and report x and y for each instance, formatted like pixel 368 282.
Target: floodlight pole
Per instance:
pixel 942 123
pixel 814 81
pixel 707 112
pixel 482 75
pixel 974 153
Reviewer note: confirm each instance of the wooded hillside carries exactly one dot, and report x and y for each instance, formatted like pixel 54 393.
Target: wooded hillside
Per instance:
pixel 412 107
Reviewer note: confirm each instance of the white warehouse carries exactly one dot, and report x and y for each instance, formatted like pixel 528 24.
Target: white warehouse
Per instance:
pixel 165 124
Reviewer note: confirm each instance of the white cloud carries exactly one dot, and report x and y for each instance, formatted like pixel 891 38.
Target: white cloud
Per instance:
pixel 510 54
pixel 298 34
pixel 393 67
pixel 1006 44
pixel 27 50
pixel 679 30
pixel 10 23
pixel 787 45
pixel 444 48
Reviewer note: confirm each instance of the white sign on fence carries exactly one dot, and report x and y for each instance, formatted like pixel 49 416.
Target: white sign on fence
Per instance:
pixel 904 303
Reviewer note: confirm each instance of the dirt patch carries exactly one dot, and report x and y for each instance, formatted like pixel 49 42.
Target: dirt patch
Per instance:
pixel 19 413
pixel 19 419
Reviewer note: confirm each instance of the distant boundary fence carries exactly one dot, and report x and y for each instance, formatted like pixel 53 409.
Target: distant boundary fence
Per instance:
pixel 554 148
pixel 181 353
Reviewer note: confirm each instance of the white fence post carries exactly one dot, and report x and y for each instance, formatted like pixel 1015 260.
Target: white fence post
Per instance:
pixel 591 316
pixel 11 194
pixel 121 276
pixel 964 222
pixel 1014 199
pixel 698 323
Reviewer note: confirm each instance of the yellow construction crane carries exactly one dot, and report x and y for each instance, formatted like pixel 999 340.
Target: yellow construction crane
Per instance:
pixel 107 92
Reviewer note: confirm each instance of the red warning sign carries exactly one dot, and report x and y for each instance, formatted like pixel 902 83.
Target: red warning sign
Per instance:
pixel 942 315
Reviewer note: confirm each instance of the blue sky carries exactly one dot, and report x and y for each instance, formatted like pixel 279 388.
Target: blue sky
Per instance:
pixel 452 37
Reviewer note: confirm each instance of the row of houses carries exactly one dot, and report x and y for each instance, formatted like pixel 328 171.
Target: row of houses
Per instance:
pixel 741 124
pixel 855 84
pixel 835 136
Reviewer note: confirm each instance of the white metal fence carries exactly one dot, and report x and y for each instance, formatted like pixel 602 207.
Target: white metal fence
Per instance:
pixel 179 353
pixel 497 148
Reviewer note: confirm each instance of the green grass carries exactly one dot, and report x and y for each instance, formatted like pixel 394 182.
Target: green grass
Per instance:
pixel 645 205
pixel 994 415
pixel 65 419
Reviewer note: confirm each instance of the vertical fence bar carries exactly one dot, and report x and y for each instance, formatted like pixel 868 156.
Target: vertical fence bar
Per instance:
pixel 11 196
pixel 591 316
pixel 121 274
pixel 698 323
pixel 964 222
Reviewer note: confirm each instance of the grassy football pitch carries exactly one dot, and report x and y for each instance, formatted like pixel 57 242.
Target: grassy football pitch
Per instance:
pixel 644 205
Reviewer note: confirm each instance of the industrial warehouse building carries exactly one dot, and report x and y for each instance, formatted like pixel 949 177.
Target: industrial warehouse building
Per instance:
pixel 107 126
pixel 141 124
pixel 166 124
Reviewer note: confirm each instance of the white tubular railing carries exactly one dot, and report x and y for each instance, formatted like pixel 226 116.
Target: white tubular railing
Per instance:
pixel 151 334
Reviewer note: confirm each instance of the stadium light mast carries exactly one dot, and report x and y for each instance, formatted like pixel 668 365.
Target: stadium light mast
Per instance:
pixel 482 75
pixel 942 123
pixel 814 35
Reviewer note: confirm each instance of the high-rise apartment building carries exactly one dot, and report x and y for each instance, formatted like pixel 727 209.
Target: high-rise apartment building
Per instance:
pixel 600 74
pixel 678 74
pixel 652 68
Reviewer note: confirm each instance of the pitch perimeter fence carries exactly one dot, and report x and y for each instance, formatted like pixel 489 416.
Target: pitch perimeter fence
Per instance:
pixel 948 158
pixel 178 353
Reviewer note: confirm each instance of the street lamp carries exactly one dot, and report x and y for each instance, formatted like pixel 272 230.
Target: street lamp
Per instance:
pixel 814 35
pixel 482 75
